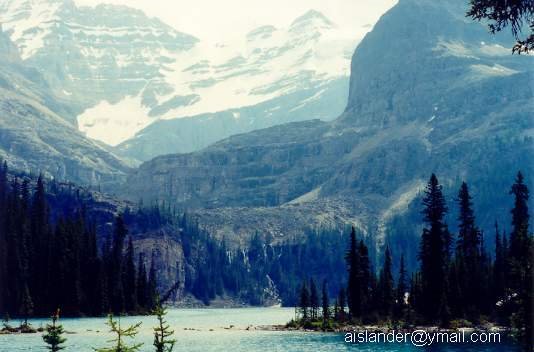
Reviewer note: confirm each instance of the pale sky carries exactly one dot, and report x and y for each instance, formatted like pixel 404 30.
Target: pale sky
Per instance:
pixel 225 19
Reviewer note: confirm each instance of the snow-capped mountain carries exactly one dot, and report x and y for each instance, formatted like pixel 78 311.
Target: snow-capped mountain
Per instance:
pixel 122 71
pixel 34 135
pixel 96 55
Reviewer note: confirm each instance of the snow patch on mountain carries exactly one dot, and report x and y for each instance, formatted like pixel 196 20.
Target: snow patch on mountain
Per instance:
pixel 123 119
pixel 28 22
pixel 124 71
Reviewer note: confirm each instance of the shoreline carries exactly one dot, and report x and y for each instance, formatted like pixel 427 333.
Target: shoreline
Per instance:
pixel 386 329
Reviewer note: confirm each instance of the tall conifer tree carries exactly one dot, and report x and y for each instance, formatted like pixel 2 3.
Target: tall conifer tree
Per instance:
pixel 116 265
pixel 353 266
pixel 434 253
pixel 130 289
pixel 401 290
pixel 386 287
pixel 468 256
pixel 314 300
pixel 325 304
pixel 521 266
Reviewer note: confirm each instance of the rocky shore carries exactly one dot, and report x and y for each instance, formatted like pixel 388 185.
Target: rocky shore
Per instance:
pixel 488 327
pixel 22 329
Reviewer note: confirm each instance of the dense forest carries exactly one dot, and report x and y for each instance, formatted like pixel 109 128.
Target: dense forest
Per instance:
pixel 459 283
pixel 50 258
pixel 53 256
pixel 56 251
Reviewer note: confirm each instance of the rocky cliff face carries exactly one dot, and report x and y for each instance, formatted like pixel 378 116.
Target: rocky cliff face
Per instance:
pixel 168 258
pixel 430 91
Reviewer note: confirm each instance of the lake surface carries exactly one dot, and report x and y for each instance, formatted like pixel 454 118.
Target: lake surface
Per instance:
pixel 212 333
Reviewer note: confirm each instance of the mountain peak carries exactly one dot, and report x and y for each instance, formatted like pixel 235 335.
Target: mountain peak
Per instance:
pixel 312 18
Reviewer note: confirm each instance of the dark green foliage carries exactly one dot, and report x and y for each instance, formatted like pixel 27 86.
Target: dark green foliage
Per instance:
pixel 325 304
pixel 304 302
pixel 314 300
pixel 162 332
pixel 466 278
pixel 319 256
pixel 360 282
pixel 500 265
pixel 26 305
pixel 353 265
pixel 341 303
pixel 121 334
pixel 467 286
pixel 386 294
pixel 116 265
pixel 367 281
pixel 49 254
pixel 152 284
pixel 401 290
pixel 520 264
pixel 434 252
pixel 244 274
pixel 54 334
pixel 129 279
pixel 515 14
pixel 141 283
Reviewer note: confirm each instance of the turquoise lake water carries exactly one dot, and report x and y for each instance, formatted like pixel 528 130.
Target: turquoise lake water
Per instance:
pixel 211 333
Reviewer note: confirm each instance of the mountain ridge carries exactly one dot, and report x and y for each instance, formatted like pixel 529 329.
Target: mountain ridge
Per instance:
pixel 450 89
pixel 122 70
pixel 42 140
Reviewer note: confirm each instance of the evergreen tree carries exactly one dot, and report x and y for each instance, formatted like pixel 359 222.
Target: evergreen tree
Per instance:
pixel 500 271
pixel 503 14
pixel 366 280
pixel 434 253
pixel 26 307
pixel 325 305
pixel 162 332
pixel 54 335
pixel 142 284
pixel 121 334
pixel 304 302
pixel 498 266
pixel 520 263
pixel 352 259
pixel 39 234
pixel 152 284
pixel 519 237
pixel 342 304
pixel 468 256
pixel 401 290
pixel 484 271
pixel 386 289
pixel 314 300
pixel 101 302
pixel 455 296
pixel 116 265
pixel 129 279
pixel 416 289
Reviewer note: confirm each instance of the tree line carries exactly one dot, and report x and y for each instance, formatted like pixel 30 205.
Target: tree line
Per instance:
pixel 459 283
pixel 50 258
pixel 57 252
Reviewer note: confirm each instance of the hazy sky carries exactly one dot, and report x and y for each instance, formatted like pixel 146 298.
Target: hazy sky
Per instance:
pixel 220 19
